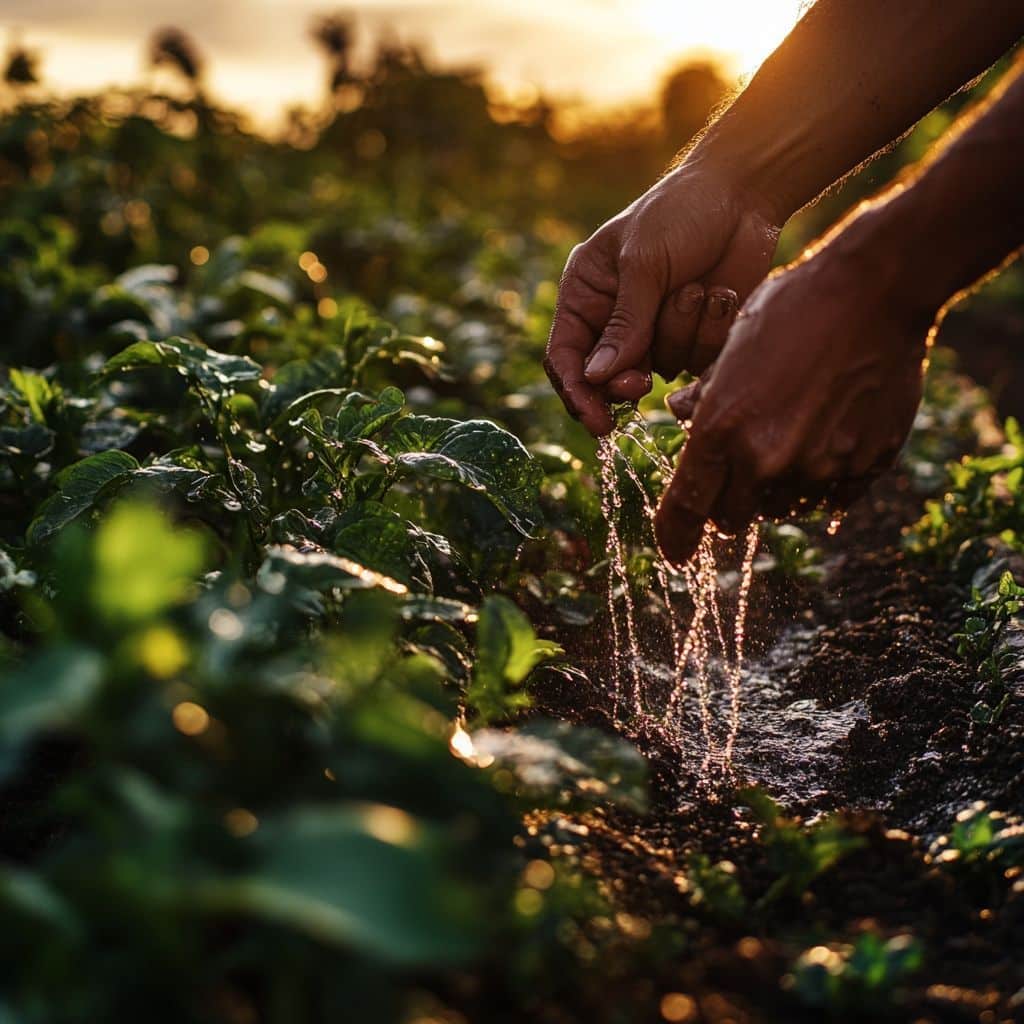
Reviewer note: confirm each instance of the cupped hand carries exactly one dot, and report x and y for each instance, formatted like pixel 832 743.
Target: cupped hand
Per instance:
pixel 656 288
pixel 812 396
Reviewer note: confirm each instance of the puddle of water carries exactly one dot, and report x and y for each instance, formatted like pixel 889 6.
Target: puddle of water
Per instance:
pixel 793 748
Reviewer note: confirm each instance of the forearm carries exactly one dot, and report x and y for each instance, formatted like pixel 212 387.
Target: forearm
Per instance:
pixel 852 76
pixel 958 216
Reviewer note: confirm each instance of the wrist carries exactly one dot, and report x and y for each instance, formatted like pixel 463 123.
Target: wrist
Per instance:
pixel 755 169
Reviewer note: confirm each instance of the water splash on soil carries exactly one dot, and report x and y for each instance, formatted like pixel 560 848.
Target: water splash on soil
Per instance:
pixel 705 651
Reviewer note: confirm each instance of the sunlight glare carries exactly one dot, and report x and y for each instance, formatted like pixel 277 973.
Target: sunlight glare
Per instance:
pixel 744 31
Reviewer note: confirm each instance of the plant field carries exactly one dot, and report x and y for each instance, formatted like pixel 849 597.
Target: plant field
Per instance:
pixel 305 643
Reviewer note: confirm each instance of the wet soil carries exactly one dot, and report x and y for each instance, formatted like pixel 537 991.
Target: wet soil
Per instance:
pixel 855 704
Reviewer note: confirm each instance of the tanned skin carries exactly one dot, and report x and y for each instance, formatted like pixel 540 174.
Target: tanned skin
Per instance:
pixel 816 388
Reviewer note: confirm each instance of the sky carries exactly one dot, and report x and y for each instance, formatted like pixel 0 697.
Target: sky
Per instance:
pixel 260 57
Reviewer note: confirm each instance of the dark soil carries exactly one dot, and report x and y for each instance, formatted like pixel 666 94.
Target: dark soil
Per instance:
pixel 874 637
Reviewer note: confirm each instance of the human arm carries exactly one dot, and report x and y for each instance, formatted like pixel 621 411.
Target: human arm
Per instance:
pixel 656 286
pixel 818 383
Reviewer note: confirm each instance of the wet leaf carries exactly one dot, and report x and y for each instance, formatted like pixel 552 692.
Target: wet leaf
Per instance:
pixel 204 367
pixel 319 571
pixel 478 454
pixel 78 487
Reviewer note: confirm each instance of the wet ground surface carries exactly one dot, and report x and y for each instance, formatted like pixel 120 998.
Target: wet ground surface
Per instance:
pixel 855 703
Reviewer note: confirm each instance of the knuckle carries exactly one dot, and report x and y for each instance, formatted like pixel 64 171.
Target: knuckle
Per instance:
pixel 553 374
pixel 621 323
pixel 571 270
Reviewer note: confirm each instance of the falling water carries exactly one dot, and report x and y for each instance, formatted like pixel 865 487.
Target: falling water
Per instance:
pixel 662 572
pixel 739 627
pixel 611 506
pixel 699 651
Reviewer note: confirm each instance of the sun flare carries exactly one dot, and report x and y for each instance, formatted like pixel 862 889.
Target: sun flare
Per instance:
pixel 743 31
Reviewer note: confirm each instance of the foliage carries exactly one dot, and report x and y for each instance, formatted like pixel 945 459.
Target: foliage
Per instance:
pixel 982 839
pixel 280 569
pixel 987 615
pixel 854 977
pixel 715 888
pixel 266 551
pixel 798 854
pixel 791 553
pixel 984 497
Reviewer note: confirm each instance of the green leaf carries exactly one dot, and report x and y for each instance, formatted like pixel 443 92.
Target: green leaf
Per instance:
pixel 714 887
pixel 302 378
pixel 27 896
pixel 207 369
pixel 478 454
pixel 35 390
pixel 266 287
pixel 367 877
pixel 141 564
pixel 385 542
pixel 507 650
pixel 362 417
pixel 318 571
pixel 78 487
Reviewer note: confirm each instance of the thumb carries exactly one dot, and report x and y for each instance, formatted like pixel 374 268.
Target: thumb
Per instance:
pixel 682 403
pixel 627 335
pixel 686 505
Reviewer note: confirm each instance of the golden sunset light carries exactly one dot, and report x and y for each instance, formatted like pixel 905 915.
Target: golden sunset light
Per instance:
pixel 260 57
pixel 511 510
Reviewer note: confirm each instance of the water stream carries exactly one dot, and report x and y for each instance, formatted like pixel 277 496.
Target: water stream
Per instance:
pixel 691 692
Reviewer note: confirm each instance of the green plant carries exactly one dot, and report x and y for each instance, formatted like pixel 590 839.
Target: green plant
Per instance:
pixel 982 838
pixel 791 552
pixel 796 852
pixel 979 642
pixel 714 887
pixel 854 977
pixel 984 497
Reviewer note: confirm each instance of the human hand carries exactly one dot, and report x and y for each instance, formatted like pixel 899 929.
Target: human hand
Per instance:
pixel 656 287
pixel 812 396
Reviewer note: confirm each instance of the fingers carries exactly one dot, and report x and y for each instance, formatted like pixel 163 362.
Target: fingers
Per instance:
pixel 738 502
pixel 721 305
pixel 628 386
pixel 627 334
pixel 683 403
pixel 675 329
pixel 564 367
pixel 582 308
pixel 690 497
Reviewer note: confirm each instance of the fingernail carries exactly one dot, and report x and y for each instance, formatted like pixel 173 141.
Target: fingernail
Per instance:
pixel 679 406
pixel 719 307
pixel 689 298
pixel 601 358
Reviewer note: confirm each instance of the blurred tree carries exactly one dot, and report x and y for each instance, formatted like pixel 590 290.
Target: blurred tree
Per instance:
pixel 333 34
pixel 22 67
pixel 688 97
pixel 172 48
